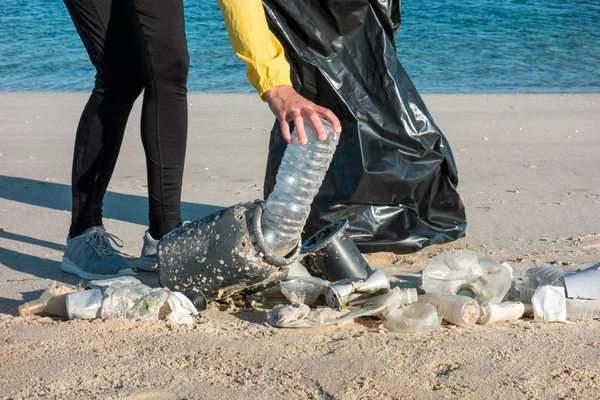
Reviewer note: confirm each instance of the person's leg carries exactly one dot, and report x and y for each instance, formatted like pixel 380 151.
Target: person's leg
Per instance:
pixel 164 111
pixel 108 32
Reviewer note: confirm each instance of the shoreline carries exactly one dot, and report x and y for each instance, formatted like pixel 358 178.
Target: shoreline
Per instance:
pixel 529 178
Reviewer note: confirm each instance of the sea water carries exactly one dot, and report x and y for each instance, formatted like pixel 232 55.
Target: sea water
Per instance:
pixel 447 46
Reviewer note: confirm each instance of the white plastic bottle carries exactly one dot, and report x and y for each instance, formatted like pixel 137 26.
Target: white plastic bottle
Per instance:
pixel 583 309
pixel 298 180
pixel 507 311
pixel 459 310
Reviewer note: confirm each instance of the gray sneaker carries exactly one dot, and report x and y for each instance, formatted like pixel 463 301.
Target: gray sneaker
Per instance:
pixel 148 260
pixel 92 256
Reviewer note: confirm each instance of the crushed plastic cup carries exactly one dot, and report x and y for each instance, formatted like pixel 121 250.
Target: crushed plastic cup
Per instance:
pixel 458 310
pixel 490 313
pixel 85 304
pixel 468 273
pixel 418 317
pixel 549 304
pixel 351 291
pixel 303 290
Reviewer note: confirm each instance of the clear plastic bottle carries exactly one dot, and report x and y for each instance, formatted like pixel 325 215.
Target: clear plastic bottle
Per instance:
pixel 542 276
pixel 583 309
pixel 459 310
pixel 52 301
pixel 298 180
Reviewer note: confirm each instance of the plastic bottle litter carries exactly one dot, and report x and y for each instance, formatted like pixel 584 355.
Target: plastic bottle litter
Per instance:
pixel 459 310
pixel 52 301
pixel 468 273
pixel 536 277
pixel 583 309
pixel 350 292
pixel 303 290
pixel 583 284
pixel 542 276
pixel 298 180
pixel 85 304
pixel 490 313
pixel 549 304
pixel 418 317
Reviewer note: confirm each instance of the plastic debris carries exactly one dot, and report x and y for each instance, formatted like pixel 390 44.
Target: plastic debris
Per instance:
pixel 418 317
pixel 85 304
pixel 490 313
pixel 468 273
pixel 52 301
pixel 295 316
pixel 583 284
pixel 352 291
pixel 549 304
pixel 458 310
pixel 583 309
pixel 303 290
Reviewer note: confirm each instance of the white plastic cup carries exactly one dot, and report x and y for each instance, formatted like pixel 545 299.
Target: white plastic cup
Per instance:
pixel 418 317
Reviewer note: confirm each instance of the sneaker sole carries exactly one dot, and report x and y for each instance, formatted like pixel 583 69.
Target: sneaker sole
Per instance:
pixel 147 264
pixel 67 266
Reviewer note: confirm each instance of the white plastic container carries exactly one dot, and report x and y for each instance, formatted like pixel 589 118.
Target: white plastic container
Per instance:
pixel 490 313
pixel 418 317
pixel 298 180
pixel 459 310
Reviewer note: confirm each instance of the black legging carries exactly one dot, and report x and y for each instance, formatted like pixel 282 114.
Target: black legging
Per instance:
pixel 135 45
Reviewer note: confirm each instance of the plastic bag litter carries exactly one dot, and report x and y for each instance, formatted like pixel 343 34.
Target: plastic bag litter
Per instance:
pixel 133 301
pixel 182 310
pixel 393 175
pixel 549 304
pixel 468 273
pixel 296 315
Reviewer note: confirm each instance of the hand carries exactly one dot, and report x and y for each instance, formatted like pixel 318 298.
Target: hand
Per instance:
pixel 288 106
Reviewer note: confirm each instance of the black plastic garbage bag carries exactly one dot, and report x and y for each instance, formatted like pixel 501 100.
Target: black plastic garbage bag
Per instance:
pixel 393 175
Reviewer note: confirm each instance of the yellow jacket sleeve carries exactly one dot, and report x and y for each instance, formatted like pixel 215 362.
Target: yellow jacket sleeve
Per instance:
pixel 254 44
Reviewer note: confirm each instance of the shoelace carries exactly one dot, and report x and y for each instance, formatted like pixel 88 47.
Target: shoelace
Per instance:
pixel 101 243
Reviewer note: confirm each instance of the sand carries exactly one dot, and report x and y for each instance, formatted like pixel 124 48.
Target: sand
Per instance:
pixel 530 180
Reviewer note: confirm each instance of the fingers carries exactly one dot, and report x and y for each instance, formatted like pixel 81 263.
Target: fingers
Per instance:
pixel 299 123
pixel 327 113
pixel 285 129
pixel 314 119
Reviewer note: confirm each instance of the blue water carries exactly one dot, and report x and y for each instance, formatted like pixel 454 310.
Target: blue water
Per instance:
pixel 447 46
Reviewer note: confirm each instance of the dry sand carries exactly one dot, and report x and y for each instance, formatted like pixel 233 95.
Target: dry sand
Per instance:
pixel 531 184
